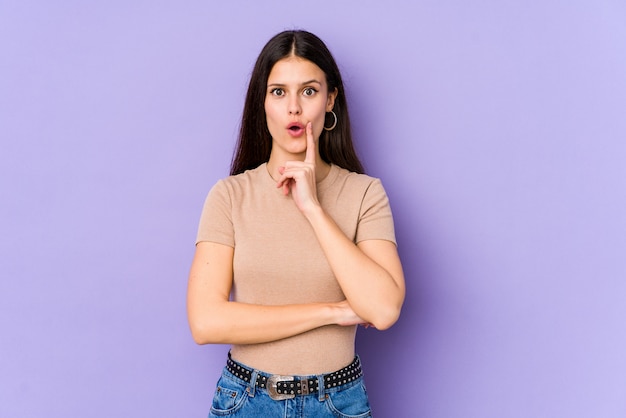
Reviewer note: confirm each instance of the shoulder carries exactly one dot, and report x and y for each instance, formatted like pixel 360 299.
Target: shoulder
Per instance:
pixel 248 176
pixel 242 181
pixel 230 190
pixel 354 181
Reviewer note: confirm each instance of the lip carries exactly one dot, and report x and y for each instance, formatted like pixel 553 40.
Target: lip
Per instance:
pixel 295 129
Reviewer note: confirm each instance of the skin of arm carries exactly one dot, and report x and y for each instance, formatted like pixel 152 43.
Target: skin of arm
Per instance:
pixel 370 273
pixel 213 318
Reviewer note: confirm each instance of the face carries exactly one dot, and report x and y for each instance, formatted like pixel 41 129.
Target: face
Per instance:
pixel 296 94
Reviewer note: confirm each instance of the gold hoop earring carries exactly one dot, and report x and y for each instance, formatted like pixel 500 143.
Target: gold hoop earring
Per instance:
pixel 334 124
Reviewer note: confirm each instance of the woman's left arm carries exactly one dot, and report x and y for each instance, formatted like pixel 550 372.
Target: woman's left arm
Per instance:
pixel 369 273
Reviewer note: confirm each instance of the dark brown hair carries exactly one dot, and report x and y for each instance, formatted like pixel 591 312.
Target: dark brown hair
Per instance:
pixel 255 142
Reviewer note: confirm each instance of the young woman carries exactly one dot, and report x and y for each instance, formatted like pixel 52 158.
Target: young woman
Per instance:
pixel 294 249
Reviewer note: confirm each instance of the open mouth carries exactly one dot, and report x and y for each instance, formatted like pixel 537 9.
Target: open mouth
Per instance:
pixel 295 129
pixel 295 126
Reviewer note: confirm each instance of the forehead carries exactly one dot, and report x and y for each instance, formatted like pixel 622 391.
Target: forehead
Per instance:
pixel 295 70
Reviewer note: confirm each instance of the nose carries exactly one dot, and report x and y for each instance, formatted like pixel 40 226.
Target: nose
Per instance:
pixel 294 106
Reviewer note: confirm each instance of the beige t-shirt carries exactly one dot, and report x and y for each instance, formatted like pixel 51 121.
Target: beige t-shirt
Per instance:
pixel 278 260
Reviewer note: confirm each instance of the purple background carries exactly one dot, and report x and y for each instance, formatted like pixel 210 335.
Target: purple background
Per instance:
pixel 498 128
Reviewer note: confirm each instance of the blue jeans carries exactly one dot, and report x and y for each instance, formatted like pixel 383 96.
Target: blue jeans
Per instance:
pixel 237 398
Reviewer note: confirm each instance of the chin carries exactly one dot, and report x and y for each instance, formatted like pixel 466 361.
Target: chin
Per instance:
pixel 297 151
pixel 296 145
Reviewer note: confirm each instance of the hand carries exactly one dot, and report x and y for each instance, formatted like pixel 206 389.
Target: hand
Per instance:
pixel 299 176
pixel 346 315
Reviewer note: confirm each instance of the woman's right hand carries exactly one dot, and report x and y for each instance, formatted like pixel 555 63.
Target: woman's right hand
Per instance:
pixel 346 315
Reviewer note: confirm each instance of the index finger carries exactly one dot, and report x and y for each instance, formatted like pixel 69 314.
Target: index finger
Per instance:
pixel 310 145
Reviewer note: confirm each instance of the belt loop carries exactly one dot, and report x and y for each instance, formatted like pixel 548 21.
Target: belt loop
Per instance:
pixel 252 383
pixel 320 388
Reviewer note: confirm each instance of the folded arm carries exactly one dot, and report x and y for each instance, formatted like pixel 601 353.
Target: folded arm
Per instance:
pixel 213 318
pixel 370 273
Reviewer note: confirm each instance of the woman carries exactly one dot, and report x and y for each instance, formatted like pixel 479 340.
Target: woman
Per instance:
pixel 294 249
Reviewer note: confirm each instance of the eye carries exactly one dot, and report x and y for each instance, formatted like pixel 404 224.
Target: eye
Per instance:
pixel 309 91
pixel 277 92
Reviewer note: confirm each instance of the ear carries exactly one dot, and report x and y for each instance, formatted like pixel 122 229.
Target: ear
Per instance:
pixel 330 103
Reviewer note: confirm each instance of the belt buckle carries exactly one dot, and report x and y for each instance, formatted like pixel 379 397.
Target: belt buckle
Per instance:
pixel 272 387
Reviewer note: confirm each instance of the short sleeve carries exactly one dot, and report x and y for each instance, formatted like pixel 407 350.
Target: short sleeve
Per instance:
pixel 216 224
pixel 375 218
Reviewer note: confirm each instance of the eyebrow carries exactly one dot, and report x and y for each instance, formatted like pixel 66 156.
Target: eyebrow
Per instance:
pixel 302 84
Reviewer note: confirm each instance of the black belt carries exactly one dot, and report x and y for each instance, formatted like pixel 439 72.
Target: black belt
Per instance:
pixel 286 387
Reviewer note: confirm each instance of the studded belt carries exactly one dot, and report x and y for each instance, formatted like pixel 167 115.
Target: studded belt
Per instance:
pixel 282 387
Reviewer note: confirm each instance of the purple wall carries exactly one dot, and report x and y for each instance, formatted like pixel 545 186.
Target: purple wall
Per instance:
pixel 498 128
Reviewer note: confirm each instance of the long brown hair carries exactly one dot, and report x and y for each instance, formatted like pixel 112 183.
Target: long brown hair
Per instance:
pixel 255 142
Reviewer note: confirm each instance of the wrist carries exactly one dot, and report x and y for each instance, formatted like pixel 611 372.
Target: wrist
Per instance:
pixel 314 213
pixel 332 313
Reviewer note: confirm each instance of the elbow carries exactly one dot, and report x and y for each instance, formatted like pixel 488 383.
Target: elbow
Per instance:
pixel 200 335
pixel 208 325
pixel 207 333
pixel 386 315
pixel 386 318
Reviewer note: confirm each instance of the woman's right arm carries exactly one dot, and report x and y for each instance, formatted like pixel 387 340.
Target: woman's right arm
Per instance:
pixel 213 318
